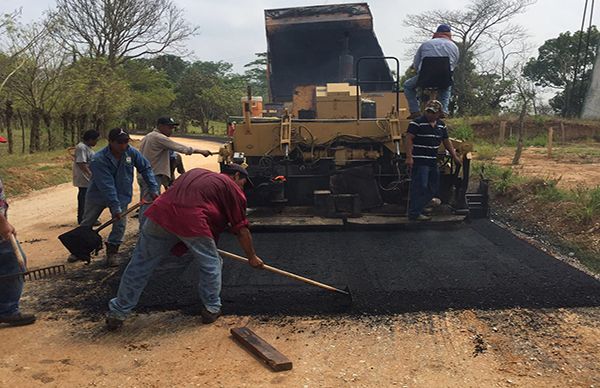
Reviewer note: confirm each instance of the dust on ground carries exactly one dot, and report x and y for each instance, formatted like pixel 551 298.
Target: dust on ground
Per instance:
pixel 572 170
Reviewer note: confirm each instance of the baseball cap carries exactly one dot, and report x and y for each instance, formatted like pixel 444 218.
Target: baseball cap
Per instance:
pixel 443 28
pixel 232 168
pixel 166 121
pixel 433 106
pixel 117 134
pixel 3 139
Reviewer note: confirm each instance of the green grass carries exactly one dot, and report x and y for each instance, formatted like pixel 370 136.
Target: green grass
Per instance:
pixel 587 204
pixel 217 128
pixel 486 151
pixel 23 173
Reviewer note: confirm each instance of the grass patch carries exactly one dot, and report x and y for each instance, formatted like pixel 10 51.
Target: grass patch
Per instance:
pixel 23 173
pixel 587 204
pixel 217 128
pixel 461 130
pixel 487 151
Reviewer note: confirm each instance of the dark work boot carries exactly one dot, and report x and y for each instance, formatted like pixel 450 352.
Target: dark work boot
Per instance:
pixel 111 255
pixel 17 319
pixel 207 316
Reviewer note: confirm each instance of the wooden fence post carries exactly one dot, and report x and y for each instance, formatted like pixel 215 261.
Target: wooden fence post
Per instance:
pixel 550 134
pixel 502 134
pixel 562 132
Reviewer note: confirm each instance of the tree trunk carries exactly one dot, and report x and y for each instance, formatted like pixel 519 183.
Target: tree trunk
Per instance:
pixel 65 128
pixel 519 149
pixel 81 122
pixel 47 122
pixel 34 134
pixel 22 123
pixel 8 115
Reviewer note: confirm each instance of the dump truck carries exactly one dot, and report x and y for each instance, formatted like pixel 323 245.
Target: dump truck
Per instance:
pixel 328 149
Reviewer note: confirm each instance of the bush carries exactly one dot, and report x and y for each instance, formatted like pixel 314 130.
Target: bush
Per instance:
pixel 486 151
pixel 462 131
pixel 587 204
pixel 503 180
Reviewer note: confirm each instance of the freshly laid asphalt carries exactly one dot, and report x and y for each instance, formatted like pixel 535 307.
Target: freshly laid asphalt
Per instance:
pixel 477 265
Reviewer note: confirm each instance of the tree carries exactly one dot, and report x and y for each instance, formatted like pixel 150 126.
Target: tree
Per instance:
pixel 256 75
pixel 209 91
pixel 470 26
pixel 172 65
pixel 119 29
pixel 555 67
pixel 151 93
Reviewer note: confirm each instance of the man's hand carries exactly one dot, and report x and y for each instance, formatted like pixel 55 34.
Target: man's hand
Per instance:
pixel 457 160
pixel 409 163
pixel 255 262
pixel 205 153
pixel 6 229
pixel 116 214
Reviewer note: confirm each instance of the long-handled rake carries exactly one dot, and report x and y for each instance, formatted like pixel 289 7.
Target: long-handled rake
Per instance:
pixel 33 274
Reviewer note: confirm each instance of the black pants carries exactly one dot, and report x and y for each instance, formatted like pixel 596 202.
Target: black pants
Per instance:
pixel 81 203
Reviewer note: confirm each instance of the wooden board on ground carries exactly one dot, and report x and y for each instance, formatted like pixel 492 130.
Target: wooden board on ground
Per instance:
pixel 385 220
pixel 284 221
pixel 261 348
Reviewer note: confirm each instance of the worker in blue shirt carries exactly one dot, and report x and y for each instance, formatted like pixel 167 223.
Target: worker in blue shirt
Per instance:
pixel 111 186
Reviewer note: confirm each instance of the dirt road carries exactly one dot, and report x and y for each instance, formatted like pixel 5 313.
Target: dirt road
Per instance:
pixel 480 342
pixel 42 215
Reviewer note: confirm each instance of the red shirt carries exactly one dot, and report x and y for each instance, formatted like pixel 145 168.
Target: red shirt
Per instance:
pixel 200 203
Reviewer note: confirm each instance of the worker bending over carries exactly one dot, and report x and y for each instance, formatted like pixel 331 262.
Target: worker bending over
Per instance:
pixel 191 215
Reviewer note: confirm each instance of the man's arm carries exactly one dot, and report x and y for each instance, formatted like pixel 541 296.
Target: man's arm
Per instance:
pixel 409 149
pixel 417 59
pixel 450 148
pixel 105 181
pixel 6 229
pixel 85 168
pixel 171 145
pixel 245 240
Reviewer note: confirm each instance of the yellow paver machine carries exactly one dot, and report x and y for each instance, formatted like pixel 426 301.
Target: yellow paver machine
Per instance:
pixel 328 149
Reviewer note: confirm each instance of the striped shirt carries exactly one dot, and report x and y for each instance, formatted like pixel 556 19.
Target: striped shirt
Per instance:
pixel 427 140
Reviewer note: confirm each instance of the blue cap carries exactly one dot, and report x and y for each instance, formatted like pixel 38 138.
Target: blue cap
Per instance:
pixel 443 28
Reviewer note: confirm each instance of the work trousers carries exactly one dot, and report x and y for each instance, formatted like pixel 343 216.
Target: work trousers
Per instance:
pixel 81 203
pixel 154 244
pixel 410 91
pixel 10 287
pixel 91 214
pixel 424 183
pixel 162 180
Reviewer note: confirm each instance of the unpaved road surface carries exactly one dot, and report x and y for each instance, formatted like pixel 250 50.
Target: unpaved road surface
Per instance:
pixel 469 306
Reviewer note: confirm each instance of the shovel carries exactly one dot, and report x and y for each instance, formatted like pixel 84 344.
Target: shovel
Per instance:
pixel 84 240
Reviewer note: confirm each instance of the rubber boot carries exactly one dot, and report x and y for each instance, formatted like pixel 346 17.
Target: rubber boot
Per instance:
pixel 111 255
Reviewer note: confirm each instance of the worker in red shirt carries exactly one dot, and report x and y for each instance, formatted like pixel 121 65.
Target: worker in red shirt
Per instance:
pixel 192 214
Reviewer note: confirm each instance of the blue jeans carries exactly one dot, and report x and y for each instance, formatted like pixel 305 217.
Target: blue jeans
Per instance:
pixel 410 91
pixel 424 182
pixel 91 214
pixel 12 287
pixel 162 180
pixel 154 244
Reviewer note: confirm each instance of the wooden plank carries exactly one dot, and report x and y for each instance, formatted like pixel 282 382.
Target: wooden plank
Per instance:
pixel 261 349
pixel 387 220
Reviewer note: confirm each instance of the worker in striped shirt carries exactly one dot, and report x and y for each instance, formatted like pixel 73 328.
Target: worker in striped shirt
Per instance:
pixel 423 138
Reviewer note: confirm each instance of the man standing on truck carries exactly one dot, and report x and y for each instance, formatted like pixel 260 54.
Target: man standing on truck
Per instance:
pixel 11 287
pixel 441 45
pixel 191 215
pixel 423 138
pixel 156 147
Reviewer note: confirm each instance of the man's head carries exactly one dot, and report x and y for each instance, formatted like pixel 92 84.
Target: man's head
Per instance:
pixel 91 137
pixel 166 125
pixel 239 175
pixel 433 110
pixel 118 140
pixel 443 31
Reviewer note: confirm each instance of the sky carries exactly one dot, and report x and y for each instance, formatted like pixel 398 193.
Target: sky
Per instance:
pixel 233 30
